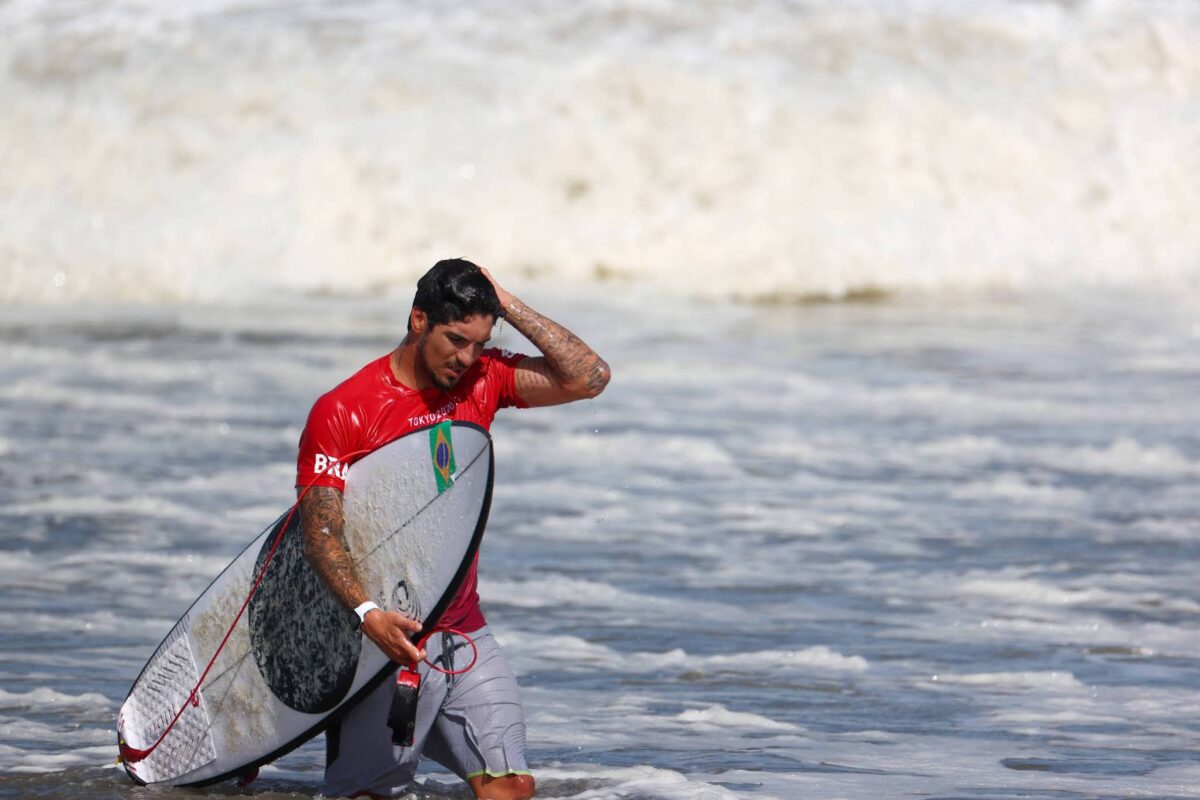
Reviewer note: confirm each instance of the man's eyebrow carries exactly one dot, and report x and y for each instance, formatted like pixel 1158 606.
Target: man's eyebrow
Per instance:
pixel 456 335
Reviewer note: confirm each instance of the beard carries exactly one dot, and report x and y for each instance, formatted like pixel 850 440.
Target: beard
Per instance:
pixel 444 384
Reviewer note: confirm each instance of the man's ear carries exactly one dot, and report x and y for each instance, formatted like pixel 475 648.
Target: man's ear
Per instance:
pixel 418 321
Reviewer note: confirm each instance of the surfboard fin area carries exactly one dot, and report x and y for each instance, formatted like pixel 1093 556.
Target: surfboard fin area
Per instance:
pixel 157 696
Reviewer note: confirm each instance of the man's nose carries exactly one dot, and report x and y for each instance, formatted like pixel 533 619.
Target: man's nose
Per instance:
pixel 467 356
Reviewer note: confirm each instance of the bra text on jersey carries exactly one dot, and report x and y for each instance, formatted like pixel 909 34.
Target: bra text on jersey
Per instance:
pixel 323 463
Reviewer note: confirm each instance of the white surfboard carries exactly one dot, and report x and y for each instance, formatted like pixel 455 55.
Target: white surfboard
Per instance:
pixel 415 512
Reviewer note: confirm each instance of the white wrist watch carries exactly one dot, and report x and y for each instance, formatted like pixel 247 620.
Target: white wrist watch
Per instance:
pixel 362 612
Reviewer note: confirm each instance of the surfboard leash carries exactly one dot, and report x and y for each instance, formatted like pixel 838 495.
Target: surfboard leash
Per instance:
pixel 474 651
pixel 131 755
pixel 402 712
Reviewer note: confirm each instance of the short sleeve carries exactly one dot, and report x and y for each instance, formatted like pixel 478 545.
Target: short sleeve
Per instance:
pixel 323 444
pixel 502 377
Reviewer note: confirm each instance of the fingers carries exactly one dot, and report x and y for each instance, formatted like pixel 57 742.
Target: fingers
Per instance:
pixel 504 297
pixel 402 651
pixel 403 622
pixel 491 280
pixel 405 653
pixel 390 630
pixel 404 626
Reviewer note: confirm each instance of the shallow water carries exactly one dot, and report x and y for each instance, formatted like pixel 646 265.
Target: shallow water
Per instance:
pixel 927 549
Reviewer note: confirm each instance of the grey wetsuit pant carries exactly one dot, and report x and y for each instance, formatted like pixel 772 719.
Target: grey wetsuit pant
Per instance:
pixel 472 724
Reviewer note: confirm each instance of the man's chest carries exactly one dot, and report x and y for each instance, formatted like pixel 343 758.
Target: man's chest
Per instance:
pixel 389 421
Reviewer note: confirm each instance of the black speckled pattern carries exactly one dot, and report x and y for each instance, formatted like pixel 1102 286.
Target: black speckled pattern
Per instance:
pixel 305 643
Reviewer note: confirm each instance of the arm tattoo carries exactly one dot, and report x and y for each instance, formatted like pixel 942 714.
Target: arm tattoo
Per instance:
pixel 321 522
pixel 574 364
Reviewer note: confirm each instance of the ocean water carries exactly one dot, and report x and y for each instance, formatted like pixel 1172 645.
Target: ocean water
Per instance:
pixel 894 491
pixel 842 551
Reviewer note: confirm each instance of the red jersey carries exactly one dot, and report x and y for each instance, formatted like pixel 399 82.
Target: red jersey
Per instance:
pixel 371 408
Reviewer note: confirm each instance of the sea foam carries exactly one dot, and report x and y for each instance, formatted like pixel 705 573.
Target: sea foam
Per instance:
pixel 775 152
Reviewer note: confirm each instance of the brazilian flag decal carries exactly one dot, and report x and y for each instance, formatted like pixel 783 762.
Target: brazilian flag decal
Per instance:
pixel 442 449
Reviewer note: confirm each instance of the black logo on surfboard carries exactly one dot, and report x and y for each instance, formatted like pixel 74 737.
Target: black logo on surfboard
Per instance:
pixel 405 601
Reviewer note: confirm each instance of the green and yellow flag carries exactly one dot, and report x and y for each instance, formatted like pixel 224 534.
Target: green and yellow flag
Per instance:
pixel 441 448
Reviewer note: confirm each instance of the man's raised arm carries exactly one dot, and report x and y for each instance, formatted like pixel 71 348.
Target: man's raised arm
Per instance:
pixel 321 521
pixel 567 370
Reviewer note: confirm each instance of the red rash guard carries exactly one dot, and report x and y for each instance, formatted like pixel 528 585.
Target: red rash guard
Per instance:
pixel 371 408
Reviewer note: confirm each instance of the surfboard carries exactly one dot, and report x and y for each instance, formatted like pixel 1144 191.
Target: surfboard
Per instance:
pixel 415 513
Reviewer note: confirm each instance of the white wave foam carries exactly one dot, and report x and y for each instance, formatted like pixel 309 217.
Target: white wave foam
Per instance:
pixel 1015 488
pixel 33 762
pixel 952 455
pixel 574 653
pixel 65 734
pixel 147 506
pixel 46 699
pixel 703 455
pixel 1038 592
pixel 818 657
pixel 1027 591
pixel 1123 457
pixel 639 781
pixel 718 717
pixel 1050 716
pixel 155 152
pixel 1077 629
pixel 559 591
pixel 1040 681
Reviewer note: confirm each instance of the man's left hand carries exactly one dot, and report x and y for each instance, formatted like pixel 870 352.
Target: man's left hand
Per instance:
pixel 506 298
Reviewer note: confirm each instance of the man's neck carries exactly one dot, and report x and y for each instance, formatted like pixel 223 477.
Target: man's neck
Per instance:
pixel 403 361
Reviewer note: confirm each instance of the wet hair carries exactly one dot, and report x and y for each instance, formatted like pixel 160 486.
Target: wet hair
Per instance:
pixel 454 289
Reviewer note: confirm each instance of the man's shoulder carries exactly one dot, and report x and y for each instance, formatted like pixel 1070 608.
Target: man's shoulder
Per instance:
pixel 504 355
pixel 355 389
pixel 366 378
pixel 494 364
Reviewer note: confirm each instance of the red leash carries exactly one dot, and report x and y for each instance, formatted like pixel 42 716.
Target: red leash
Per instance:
pixel 132 755
pixel 470 641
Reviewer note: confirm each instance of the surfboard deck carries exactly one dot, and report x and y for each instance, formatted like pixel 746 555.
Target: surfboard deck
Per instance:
pixel 415 513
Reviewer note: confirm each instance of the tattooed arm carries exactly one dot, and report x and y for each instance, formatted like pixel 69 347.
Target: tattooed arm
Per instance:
pixel 325 548
pixel 567 370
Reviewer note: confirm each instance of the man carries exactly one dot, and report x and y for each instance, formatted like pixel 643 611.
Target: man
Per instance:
pixel 471 723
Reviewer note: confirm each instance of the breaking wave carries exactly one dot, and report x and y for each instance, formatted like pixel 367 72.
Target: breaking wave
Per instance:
pixel 775 151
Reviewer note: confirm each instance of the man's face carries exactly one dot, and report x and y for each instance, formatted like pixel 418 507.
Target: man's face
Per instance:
pixel 447 351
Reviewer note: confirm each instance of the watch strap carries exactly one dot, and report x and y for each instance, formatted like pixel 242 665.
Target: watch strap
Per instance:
pixel 362 610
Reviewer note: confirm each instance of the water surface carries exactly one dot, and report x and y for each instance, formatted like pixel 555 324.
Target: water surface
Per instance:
pixel 910 548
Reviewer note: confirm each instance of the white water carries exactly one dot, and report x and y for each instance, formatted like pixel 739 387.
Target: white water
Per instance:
pixel 228 149
pixel 840 551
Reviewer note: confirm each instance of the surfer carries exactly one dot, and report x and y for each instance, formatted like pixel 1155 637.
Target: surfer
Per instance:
pixel 471 723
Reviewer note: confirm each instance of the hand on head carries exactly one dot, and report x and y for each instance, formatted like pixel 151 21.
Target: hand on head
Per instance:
pixel 505 297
